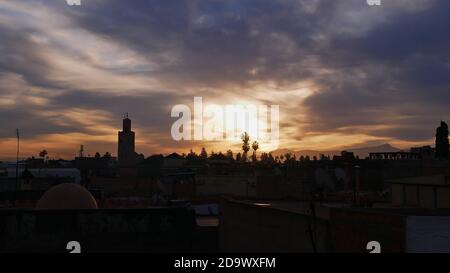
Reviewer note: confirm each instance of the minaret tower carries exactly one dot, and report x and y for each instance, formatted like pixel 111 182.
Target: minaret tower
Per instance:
pixel 126 149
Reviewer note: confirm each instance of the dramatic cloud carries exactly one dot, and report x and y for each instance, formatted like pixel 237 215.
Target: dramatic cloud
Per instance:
pixel 343 73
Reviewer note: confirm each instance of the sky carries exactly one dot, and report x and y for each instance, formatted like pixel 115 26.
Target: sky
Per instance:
pixel 343 73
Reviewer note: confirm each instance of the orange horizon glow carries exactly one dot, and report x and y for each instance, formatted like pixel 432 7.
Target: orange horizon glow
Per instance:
pixel 69 74
pixel 66 146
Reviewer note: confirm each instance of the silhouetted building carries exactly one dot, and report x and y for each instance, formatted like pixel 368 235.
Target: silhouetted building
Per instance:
pixel 345 156
pixel 423 191
pixel 425 152
pixel 402 155
pixel 442 143
pixel 126 146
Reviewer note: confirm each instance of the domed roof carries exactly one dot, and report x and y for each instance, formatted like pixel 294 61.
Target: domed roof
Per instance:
pixel 67 196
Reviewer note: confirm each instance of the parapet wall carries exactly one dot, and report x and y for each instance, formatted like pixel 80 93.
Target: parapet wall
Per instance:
pixel 249 228
pixel 112 230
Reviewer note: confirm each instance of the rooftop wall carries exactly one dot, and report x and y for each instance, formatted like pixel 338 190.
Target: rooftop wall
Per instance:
pixel 352 229
pixel 113 230
pixel 428 234
pixel 251 228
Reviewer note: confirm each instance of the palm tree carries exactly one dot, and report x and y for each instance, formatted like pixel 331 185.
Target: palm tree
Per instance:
pixel 245 145
pixel 255 147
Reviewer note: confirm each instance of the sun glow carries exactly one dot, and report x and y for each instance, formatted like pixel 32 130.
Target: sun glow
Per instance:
pixel 213 122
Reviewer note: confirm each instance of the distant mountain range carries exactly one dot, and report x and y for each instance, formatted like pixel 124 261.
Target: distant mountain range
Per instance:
pixel 362 152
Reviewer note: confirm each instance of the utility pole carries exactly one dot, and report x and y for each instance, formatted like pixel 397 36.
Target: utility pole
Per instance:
pixel 356 186
pixel 17 159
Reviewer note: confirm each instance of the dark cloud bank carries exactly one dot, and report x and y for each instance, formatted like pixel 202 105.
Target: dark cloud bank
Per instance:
pixel 395 73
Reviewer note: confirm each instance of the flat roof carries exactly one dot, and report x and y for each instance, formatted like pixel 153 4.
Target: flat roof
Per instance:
pixel 432 180
pixel 323 210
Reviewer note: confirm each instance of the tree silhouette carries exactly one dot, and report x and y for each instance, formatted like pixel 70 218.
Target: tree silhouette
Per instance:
pixel 43 154
pixel 191 155
pixel 267 159
pixel 271 159
pixel 238 157
pixel 203 154
pixel 442 143
pixel 245 145
pixel 288 157
pixel 264 158
pixel 230 155
pixel 255 147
